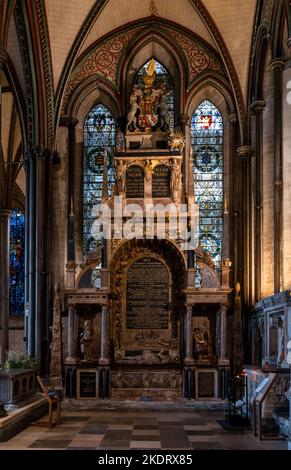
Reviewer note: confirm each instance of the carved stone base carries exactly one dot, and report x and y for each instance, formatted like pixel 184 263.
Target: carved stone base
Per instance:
pixel 147 385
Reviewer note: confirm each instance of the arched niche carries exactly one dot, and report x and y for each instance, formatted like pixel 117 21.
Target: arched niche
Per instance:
pixel 139 57
pixel 223 102
pixel 80 110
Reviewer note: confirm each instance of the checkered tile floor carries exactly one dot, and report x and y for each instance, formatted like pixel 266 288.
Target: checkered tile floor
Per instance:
pixel 138 430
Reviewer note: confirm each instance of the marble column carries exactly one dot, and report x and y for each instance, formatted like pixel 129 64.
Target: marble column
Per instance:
pixel 188 336
pixel 223 334
pixel 245 153
pixel 230 208
pixel 257 108
pixel 4 281
pixel 72 335
pixel 104 360
pixel 277 66
pixel 39 168
pixel 183 120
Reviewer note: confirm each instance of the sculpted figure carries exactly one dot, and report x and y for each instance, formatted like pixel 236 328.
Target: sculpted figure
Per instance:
pixel 175 178
pixel 121 176
pixel 164 109
pixel 87 341
pixel 134 106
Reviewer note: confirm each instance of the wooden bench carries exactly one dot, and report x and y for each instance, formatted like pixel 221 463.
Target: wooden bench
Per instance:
pixel 53 397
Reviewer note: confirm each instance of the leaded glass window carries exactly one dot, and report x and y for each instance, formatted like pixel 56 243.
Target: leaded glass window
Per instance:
pixel 16 262
pixel 207 144
pixel 162 78
pixel 99 175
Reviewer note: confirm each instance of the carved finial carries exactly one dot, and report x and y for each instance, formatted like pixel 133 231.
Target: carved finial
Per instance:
pixel 237 288
pixel 153 11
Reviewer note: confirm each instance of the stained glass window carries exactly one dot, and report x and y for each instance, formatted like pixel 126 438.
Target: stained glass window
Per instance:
pixel 207 144
pixel 16 262
pixel 99 146
pixel 162 78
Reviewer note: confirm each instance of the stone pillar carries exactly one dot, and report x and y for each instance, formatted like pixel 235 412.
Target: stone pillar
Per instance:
pixel 277 66
pixel 230 206
pixel 188 336
pixel 4 281
pixel 31 221
pixel 286 171
pixel 104 360
pixel 72 335
pixel 187 165
pixel 41 156
pixel 257 108
pixel 39 167
pixel 245 153
pixel 223 335
pixel 70 123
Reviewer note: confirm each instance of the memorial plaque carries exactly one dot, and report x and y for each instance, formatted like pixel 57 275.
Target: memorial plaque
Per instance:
pixel 161 182
pixel 147 295
pixel 135 182
pixel 87 384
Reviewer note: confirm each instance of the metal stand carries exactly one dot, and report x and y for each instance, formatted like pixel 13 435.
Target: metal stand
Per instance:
pixel 238 410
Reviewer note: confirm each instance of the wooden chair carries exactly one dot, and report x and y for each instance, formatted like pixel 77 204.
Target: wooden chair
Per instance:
pixel 52 396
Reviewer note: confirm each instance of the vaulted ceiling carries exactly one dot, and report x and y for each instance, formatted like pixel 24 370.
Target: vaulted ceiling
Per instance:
pixel 234 21
pixel 68 28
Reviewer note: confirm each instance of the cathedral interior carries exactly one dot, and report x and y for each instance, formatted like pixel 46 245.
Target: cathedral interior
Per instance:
pixel 145 223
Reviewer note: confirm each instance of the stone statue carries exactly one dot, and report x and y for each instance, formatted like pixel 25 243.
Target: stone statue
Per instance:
pixel 202 345
pixel 134 107
pixel 207 267
pixel 56 343
pixel 121 176
pixel 164 108
pixel 148 169
pixel 175 179
pixel 87 341
pixel 200 338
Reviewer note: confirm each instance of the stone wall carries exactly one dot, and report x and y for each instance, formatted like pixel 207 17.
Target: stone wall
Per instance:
pixel 286 179
pixel 268 188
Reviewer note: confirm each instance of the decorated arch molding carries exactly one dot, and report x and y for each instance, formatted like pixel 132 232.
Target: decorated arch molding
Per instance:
pixel 228 63
pixel 108 57
pixel 32 30
pixel 222 86
pixel 88 86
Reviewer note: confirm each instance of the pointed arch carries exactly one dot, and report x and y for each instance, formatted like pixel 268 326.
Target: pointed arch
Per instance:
pixel 98 170
pixel 16 262
pixel 207 145
pixel 162 79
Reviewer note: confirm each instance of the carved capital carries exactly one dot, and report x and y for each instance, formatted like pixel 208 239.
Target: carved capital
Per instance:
pixel 184 119
pixel 278 64
pixel 37 152
pixel 257 107
pixel 67 121
pixel 5 213
pixel 245 151
pixel 232 117
pixel 71 266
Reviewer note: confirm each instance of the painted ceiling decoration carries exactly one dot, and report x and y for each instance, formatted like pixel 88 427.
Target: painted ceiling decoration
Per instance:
pixel 106 59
